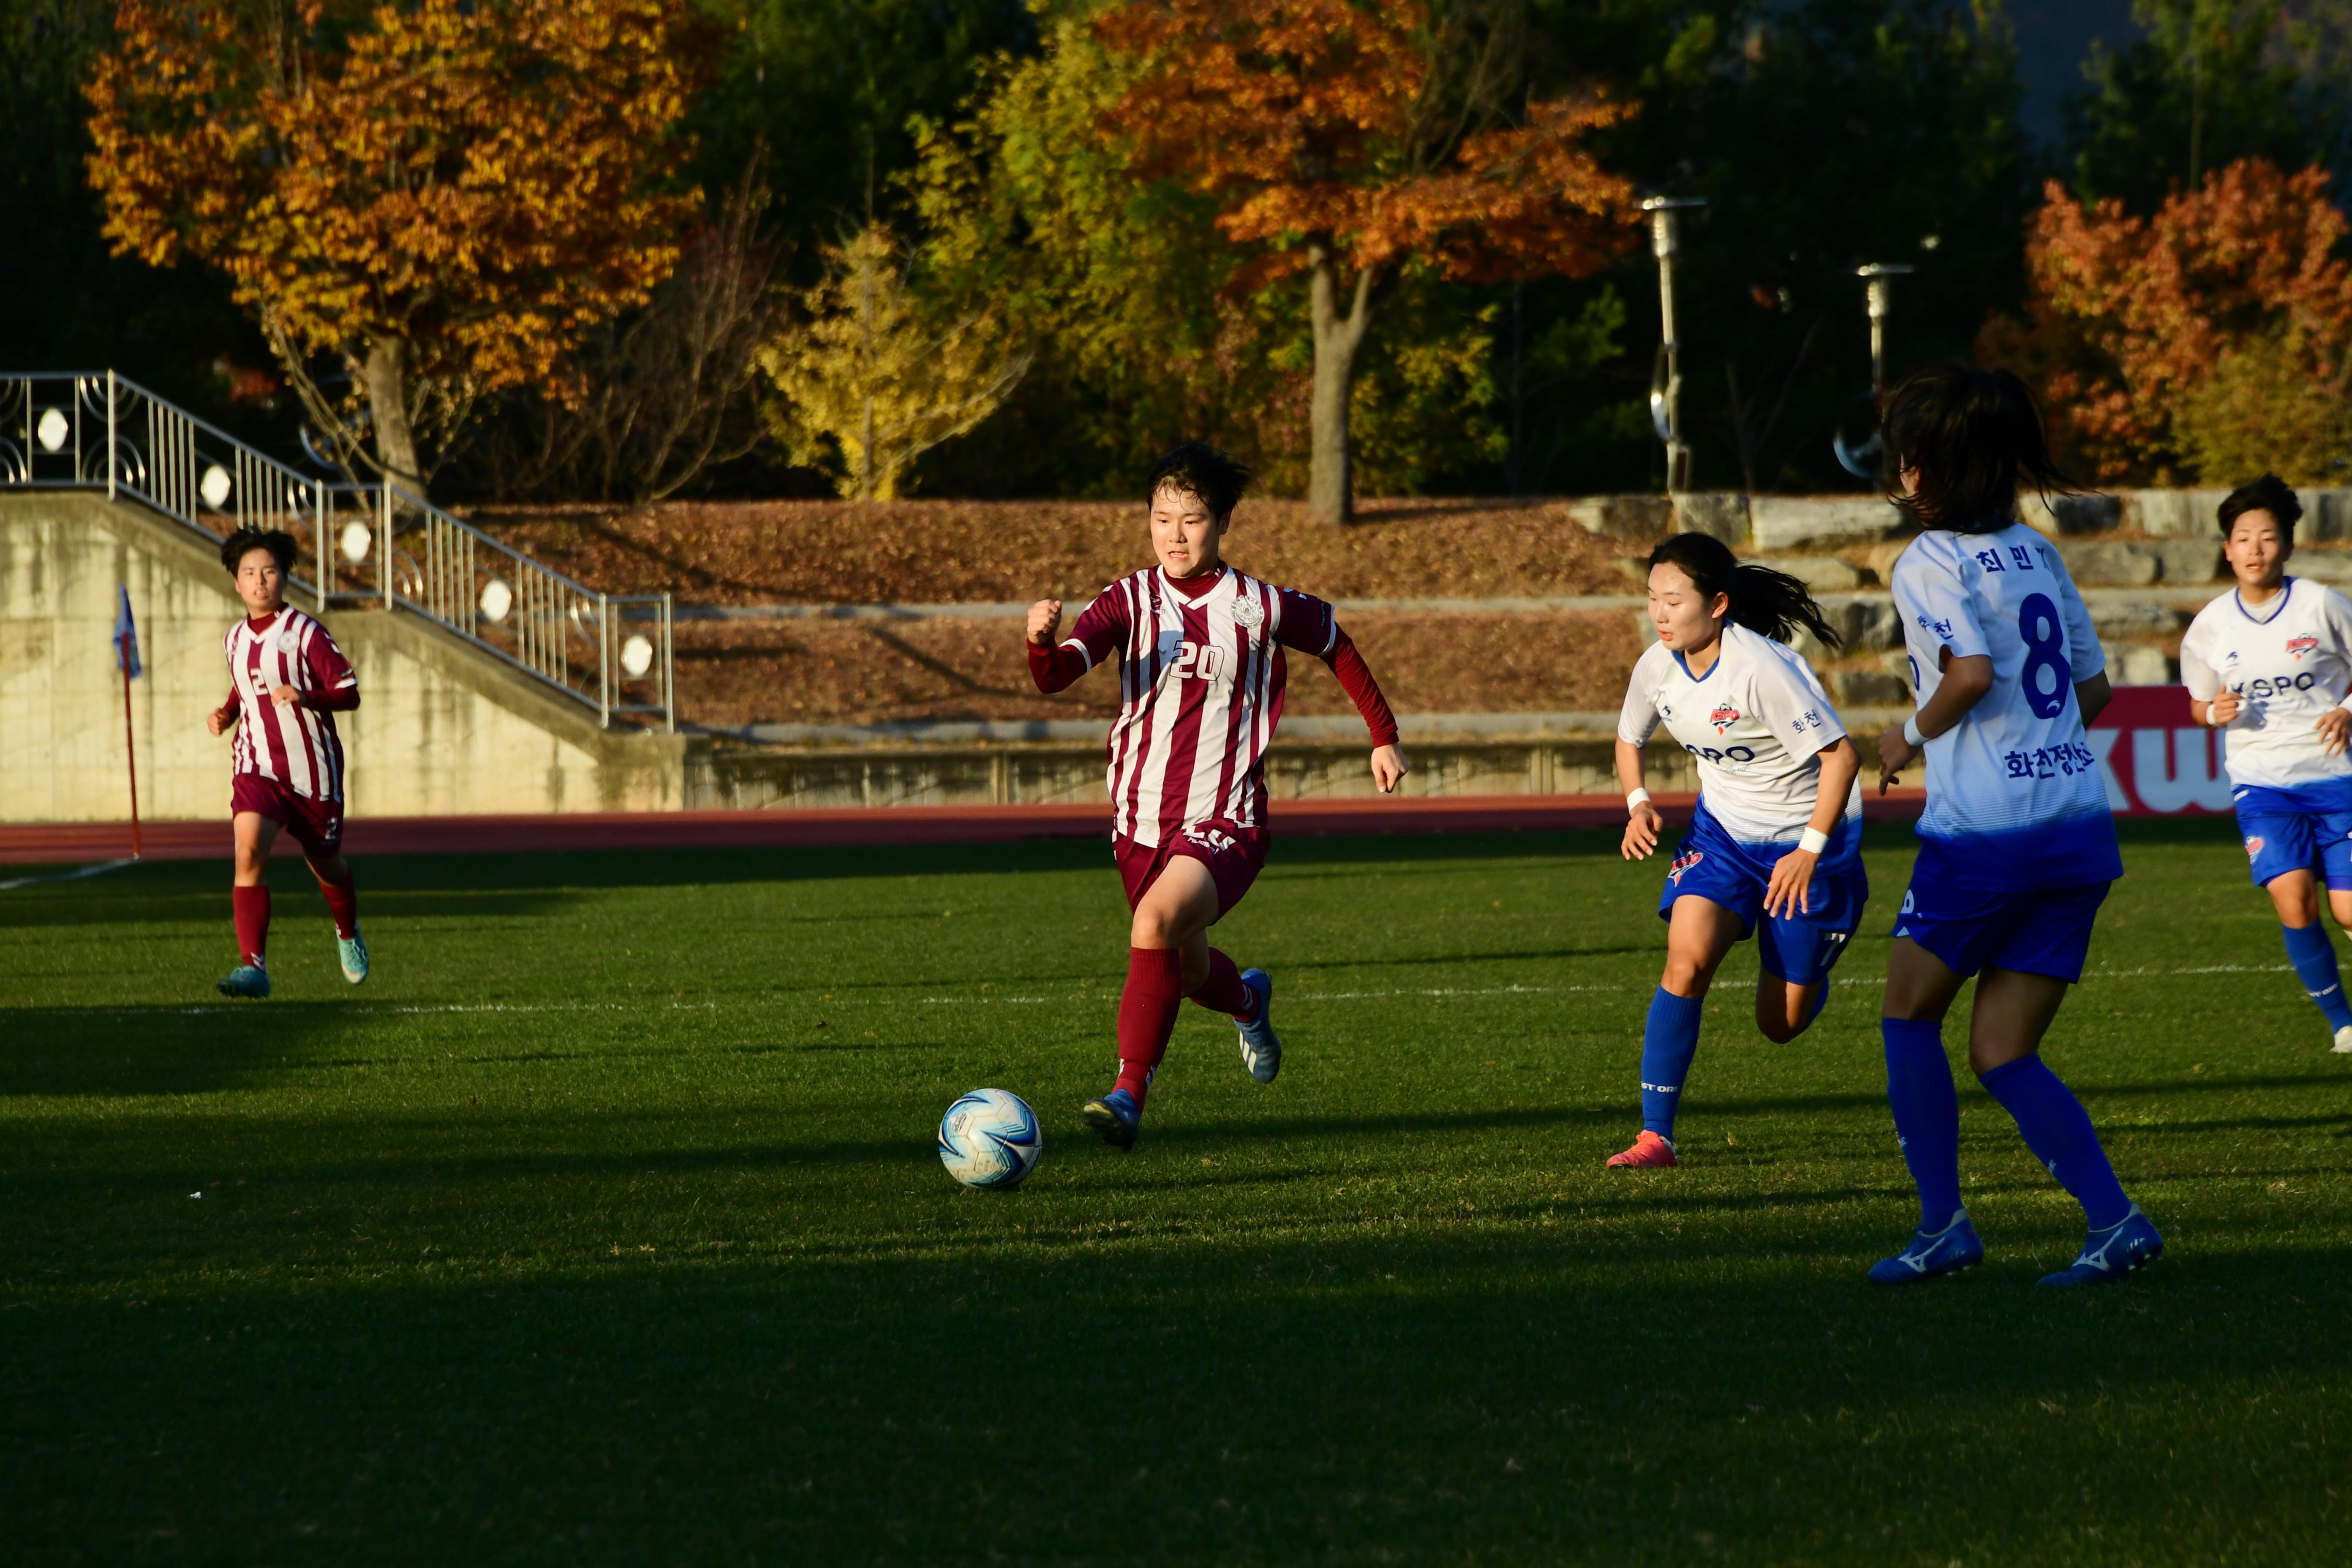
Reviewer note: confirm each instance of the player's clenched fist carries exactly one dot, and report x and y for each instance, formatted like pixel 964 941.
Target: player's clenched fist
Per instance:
pixel 219 719
pixel 1045 620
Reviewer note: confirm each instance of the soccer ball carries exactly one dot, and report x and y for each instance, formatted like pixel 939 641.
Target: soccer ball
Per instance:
pixel 990 1139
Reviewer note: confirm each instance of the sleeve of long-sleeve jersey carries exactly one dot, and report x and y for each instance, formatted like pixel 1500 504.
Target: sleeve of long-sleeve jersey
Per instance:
pixel 1100 628
pixel 334 684
pixel 1309 624
pixel 1356 680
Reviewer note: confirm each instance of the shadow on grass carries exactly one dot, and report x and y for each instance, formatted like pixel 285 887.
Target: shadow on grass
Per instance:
pixel 1456 1396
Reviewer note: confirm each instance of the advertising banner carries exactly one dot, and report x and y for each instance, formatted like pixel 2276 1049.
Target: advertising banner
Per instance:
pixel 2157 761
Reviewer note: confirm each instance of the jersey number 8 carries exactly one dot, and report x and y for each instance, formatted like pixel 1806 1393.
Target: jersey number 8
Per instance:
pixel 2046 669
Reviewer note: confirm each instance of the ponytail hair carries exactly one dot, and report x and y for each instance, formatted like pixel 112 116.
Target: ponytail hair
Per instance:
pixel 1762 600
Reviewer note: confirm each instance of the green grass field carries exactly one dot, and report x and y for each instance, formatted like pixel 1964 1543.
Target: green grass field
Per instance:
pixel 603 1224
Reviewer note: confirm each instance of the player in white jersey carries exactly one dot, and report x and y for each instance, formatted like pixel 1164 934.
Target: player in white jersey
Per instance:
pixel 1775 846
pixel 2268 663
pixel 2016 847
pixel 287 682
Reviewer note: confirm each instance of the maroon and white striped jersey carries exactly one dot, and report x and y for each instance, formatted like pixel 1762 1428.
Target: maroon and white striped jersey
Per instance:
pixel 1200 686
pixel 296 744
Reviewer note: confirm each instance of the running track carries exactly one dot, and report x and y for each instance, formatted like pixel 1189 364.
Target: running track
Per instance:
pixel 209 840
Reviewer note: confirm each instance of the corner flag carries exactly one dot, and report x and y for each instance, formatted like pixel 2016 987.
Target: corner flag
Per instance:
pixel 126 637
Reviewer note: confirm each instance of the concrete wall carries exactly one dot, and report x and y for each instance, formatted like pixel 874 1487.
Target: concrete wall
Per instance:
pixel 442 728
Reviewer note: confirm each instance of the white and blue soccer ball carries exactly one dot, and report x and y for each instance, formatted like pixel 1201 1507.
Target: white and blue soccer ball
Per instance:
pixel 990 1139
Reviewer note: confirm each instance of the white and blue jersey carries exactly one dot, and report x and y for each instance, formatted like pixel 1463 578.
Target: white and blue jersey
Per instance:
pixel 2014 795
pixel 1756 723
pixel 2289 659
pixel 2017 844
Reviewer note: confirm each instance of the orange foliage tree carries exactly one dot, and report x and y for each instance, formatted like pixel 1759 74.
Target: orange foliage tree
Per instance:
pixel 2213 340
pixel 446 193
pixel 1349 139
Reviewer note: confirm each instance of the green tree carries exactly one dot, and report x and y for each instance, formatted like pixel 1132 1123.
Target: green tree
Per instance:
pixel 1823 134
pixel 2209 82
pixel 1123 284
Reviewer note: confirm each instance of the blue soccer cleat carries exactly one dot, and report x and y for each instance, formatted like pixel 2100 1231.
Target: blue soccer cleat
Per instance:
pixel 1261 1047
pixel 2108 1255
pixel 246 980
pixel 1946 1251
pixel 1117 1117
pixel 354 954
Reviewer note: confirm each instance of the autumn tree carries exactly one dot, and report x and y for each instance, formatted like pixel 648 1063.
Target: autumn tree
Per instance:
pixel 1348 140
pixel 871 374
pixel 2214 337
pixel 443 195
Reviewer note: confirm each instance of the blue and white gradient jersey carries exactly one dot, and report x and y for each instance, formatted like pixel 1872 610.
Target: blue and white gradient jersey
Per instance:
pixel 2290 660
pixel 2015 800
pixel 1756 721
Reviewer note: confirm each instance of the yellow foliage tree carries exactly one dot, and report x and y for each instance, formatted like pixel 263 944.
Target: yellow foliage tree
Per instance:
pixel 445 193
pixel 871 374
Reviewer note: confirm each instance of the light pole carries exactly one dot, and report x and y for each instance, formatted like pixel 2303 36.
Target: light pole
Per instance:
pixel 1666 375
pixel 1862 459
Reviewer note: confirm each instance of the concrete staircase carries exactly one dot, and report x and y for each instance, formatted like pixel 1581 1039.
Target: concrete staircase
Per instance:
pixel 443 727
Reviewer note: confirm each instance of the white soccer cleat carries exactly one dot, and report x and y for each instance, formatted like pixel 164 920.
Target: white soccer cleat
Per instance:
pixel 2343 1047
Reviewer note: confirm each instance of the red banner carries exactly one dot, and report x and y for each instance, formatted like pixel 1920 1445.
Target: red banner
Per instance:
pixel 2156 760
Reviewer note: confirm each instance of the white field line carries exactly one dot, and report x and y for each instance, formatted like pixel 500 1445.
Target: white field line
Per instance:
pixel 1445 991
pixel 74 876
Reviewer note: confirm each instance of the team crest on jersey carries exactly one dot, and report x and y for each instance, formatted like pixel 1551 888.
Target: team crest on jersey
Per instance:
pixel 1724 717
pixel 2254 846
pixel 1681 864
pixel 2301 645
pixel 1247 612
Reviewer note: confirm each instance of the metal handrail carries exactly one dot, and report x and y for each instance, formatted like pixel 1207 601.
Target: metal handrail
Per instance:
pixel 97 430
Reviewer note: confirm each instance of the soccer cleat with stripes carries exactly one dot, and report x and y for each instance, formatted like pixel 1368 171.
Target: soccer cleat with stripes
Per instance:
pixel 1115 1117
pixel 2108 1255
pixel 353 953
pixel 1261 1047
pixel 246 980
pixel 1946 1251
pixel 1649 1152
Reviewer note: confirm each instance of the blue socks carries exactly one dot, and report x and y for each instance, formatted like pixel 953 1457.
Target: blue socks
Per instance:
pixel 1927 1115
pixel 1669 1040
pixel 2058 1130
pixel 2313 957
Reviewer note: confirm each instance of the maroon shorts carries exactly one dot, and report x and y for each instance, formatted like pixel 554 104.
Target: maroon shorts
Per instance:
pixel 1234 855
pixel 317 824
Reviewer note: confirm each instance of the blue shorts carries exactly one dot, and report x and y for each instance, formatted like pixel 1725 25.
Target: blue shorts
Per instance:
pixel 2290 829
pixel 2036 931
pixel 1801 949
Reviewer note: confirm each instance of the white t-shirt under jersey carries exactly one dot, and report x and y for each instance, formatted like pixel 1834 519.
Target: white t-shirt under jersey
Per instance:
pixel 2014 797
pixel 1757 721
pixel 2290 660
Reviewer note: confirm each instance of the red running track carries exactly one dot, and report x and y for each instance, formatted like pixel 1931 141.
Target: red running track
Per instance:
pixel 209 840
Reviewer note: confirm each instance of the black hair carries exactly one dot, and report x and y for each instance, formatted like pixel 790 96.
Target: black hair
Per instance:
pixel 1762 600
pixel 245 540
pixel 1971 435
pixel 2270 493
pixel 1200 470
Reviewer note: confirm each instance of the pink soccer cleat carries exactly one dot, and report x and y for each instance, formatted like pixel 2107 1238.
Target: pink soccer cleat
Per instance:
pixel 1649 1152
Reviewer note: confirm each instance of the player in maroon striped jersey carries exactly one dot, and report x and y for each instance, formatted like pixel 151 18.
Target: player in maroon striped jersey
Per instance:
pixel 1201 650
pixel 286 682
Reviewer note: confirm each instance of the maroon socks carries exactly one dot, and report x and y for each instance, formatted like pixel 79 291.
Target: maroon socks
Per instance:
pixel 1224 990
pixel 252 907
pixel 1147 1015
pixel 343 903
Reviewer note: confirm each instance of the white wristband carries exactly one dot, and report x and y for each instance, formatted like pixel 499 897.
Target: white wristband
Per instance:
pixel 1814 841
pixel 1911 730
pixel 1635 797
